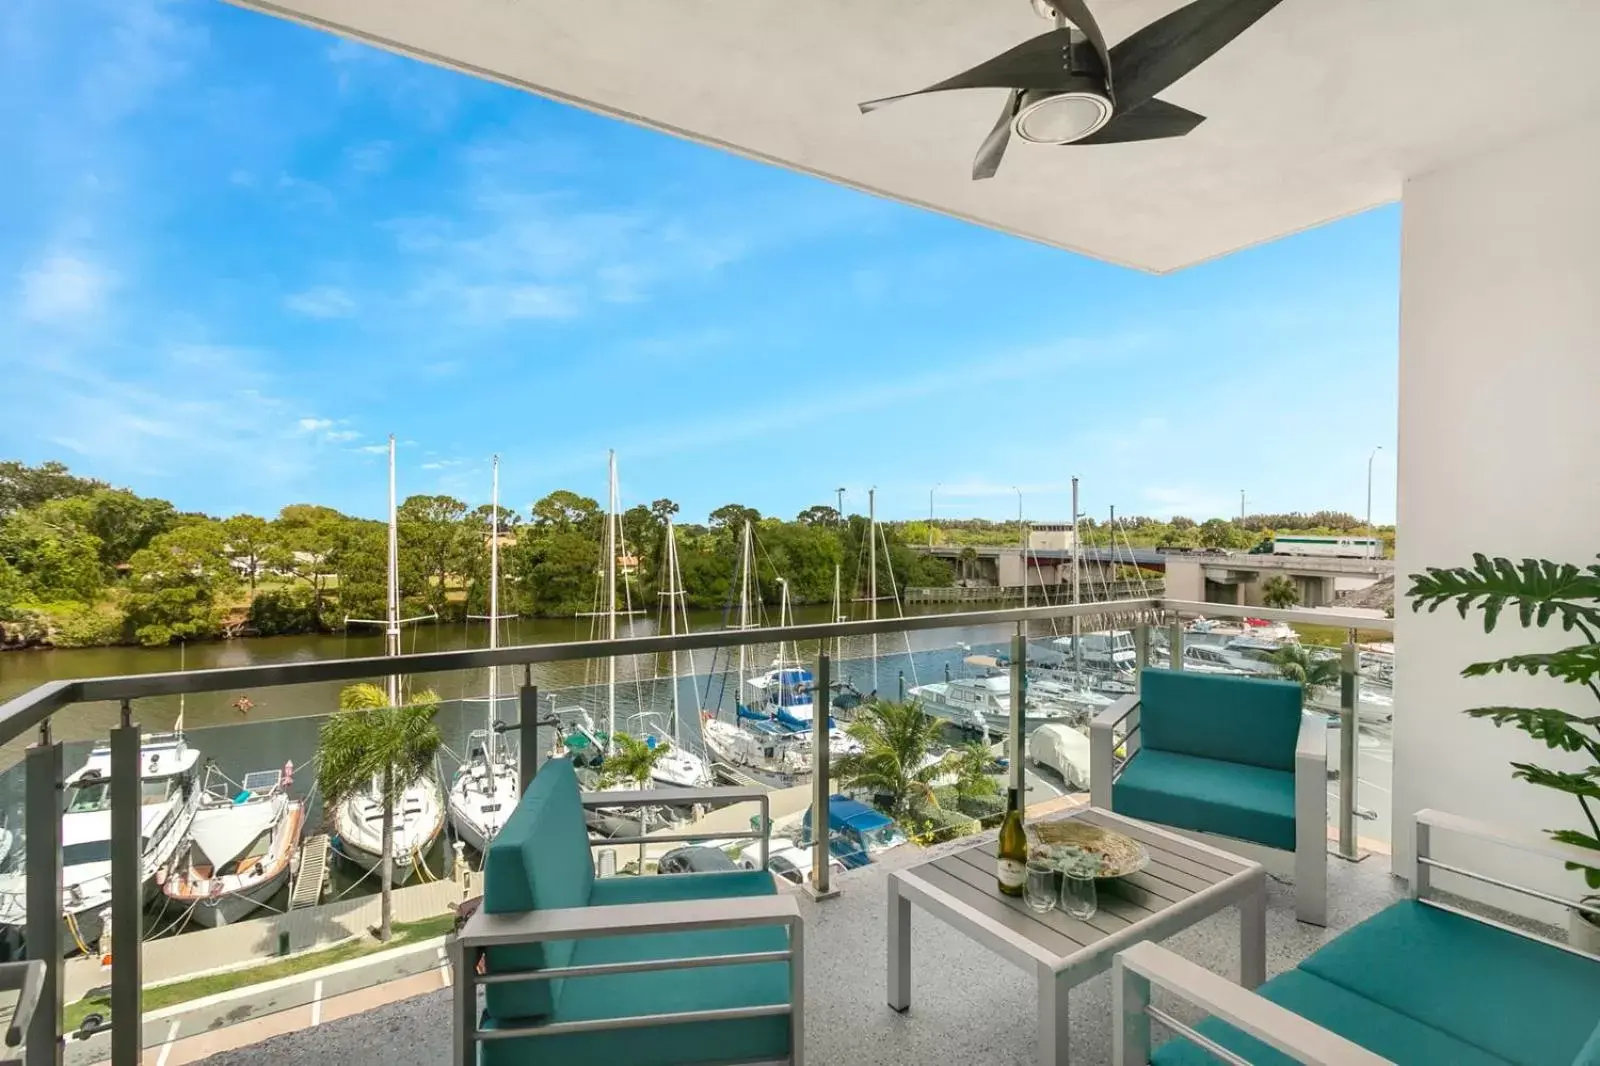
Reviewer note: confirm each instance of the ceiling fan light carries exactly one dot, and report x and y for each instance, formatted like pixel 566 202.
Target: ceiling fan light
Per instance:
pixel 1061 116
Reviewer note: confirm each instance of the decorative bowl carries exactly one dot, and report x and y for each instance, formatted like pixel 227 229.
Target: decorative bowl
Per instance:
pixel 1118 855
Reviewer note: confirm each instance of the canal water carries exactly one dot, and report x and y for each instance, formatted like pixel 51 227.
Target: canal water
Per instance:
pixel 283 723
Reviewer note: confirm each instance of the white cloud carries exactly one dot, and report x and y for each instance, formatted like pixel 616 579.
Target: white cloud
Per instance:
pixel 374 449
pixel 443 464
pixel 63 287
pixel 324 301
pixel 312 425
pixel 341 436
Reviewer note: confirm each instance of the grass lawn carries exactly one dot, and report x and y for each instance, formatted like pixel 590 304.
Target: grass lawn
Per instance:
pixel 1333 636
pixel 158 996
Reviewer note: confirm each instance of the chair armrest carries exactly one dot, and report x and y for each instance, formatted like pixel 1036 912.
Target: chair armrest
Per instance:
pixel 1511 838
pixel 628 919
pixel 1102 748
pixel 683 797
pixel 1281 1029
pixel 1115 713
pixel 27 979
pixel 1312 744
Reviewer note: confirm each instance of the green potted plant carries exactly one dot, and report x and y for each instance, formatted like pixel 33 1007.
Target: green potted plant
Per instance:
pixel 1541 593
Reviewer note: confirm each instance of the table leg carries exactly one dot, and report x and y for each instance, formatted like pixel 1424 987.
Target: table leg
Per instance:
pixel 899 948
pixel 1052 1017
pixel 1253 937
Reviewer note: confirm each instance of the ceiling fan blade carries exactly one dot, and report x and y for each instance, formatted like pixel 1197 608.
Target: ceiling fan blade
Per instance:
pixel 1077 13
pixel 1151 122
pixel 987 161
pixel 1042 62
pixel 1151 59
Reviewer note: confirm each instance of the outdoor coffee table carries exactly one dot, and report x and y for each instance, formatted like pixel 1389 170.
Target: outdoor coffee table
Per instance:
pixel 1185 882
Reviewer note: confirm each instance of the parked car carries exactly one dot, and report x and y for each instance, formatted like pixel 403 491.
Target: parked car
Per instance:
pixel 791 863
pixel 696 859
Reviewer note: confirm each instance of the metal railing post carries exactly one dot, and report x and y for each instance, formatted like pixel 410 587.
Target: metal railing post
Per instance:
pixel 527 731
pixel 1019 710
pixel 1349 691
pixel 44 771
pixel 821 826
pixel 1175 642
pixel 1141 654
pixel 127 897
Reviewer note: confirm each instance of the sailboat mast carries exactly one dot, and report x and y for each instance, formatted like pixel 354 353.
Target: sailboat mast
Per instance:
pixel 611 596
pixel 872 575
pixel 672 619
pixel 391 632
pixel 494 599
pixel 1077 570
pixel 744 606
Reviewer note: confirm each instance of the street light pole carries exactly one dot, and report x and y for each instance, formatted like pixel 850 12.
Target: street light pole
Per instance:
pixel 931 491
pixel 1022 534
pixel 1241 507
pixel 1370 458
pixel 840 508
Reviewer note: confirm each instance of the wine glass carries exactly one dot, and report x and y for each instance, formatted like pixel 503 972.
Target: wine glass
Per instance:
pixel 1040 889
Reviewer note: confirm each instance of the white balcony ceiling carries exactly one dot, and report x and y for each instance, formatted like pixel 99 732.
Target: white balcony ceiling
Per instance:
pixel 1317 112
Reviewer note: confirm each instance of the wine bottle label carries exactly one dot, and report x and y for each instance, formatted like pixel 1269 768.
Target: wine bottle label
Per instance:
pixel 1011 873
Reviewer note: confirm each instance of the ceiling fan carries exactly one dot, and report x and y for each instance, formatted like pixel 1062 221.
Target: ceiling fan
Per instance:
pixel 1067 87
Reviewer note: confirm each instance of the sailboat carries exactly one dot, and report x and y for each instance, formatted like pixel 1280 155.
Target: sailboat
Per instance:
pixel 419 816
pixel 645 817
pixel 483 792
pixel 679 767
pixel 770 739
pixel 242 848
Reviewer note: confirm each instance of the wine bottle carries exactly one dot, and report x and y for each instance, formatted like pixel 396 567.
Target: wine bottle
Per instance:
pixel 1013 858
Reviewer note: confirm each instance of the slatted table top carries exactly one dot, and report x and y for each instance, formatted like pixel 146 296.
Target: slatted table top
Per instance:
pixel 1183 875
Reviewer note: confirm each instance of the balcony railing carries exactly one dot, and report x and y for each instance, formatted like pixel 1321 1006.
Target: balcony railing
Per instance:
pixel 1157 624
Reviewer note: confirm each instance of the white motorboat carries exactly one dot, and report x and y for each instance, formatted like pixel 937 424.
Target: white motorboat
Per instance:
pixel 242 848
pixel 485 789
pixel 169 795
pixel 983 704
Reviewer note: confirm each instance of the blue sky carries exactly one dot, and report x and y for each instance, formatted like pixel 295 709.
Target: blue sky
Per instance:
pixel 236 253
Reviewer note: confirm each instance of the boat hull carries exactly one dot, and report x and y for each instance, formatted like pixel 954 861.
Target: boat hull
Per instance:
pixel 236 906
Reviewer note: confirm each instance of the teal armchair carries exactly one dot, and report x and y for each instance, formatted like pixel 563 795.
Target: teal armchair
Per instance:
pixel 652 971
pixel 1230 757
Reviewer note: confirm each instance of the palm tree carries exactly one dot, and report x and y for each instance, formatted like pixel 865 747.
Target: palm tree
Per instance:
pixel 370 740
pixel 896 739
pixel 1313 673
pixel 971 764
pixel 632 760
pixel 1280 592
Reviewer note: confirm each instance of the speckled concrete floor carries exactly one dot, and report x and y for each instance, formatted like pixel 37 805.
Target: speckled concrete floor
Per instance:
pixel 968 1006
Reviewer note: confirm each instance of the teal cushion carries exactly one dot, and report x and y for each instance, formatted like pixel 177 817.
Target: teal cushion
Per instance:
pixel 1528 1003
pixel 660 992
pixel 1361 1021
pixel 1207 796
pixel 1589 1054
pixel 1214 716
pixel 539 861
pixel 723 884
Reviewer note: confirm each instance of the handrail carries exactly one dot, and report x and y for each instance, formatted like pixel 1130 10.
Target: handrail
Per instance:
pixel 1311 616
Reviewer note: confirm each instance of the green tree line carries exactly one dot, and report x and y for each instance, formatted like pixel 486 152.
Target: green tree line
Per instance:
pixel 84 563
pixel 1142 531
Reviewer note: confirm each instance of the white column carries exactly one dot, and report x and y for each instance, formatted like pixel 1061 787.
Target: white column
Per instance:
pixel 1499 429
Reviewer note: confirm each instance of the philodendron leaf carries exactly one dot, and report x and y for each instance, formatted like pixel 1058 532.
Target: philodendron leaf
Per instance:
pixel 1579 664
pixel 1585 785
pixel 1591 874
pixel 1558 729
pixel 1540 590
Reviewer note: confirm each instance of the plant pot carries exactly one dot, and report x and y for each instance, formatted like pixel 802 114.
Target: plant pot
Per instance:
pixel 1583 932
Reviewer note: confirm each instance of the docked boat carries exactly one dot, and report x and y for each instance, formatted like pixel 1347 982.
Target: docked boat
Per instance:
pixel 170 797
pixel 242 848
pixel 484 790
pixel 677 767
pixel 767 752
pixel 418 821
pixel 983 704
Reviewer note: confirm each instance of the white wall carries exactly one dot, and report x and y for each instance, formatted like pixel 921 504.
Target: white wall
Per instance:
pixel 1499 453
